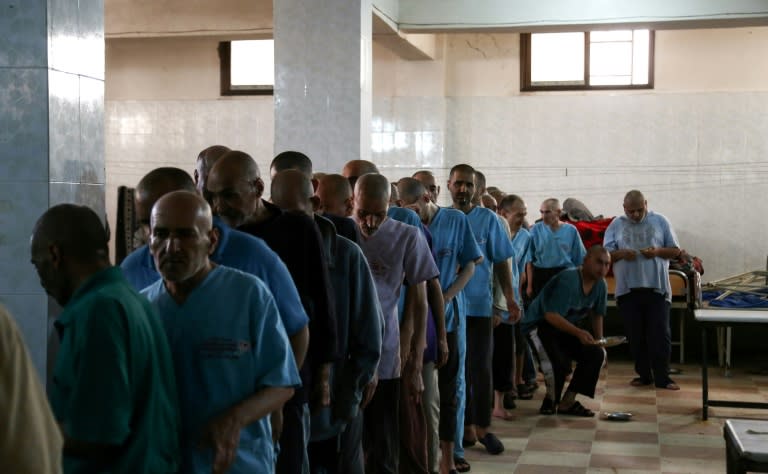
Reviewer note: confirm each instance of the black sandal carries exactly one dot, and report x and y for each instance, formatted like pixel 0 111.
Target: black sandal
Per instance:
pixel 461 464
pixel 547 407
pixel 577 409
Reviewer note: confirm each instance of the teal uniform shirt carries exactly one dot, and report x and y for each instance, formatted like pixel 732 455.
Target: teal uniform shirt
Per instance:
pixel 228 343
pixel 113 381
pixel 564 295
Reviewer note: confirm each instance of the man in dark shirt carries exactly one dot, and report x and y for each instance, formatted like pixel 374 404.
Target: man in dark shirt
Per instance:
pixel 236 189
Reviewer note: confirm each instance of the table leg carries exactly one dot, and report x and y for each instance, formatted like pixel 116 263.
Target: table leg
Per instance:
pixel 728 331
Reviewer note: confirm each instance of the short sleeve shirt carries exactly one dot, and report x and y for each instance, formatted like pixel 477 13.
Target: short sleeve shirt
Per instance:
pixel 111 333
pixel 454 246
pixel 227 343
pixel 241 251
pixel 564 295
pixel 625 234
pixel 494 242
pixel 395 252
pixel 561 248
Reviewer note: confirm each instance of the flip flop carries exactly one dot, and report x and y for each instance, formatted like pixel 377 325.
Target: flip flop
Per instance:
pixel 461 465
pixel 577 409
pixel 492 443
pixel 468 443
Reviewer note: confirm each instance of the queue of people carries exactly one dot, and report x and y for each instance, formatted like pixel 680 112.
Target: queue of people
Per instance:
pixel 346 325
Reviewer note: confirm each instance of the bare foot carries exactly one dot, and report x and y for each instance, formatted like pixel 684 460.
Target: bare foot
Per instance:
pixel 503 414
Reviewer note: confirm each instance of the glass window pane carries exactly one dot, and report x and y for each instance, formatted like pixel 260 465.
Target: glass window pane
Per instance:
pixel 641 47
pixel 252 63
pixel 557 57
pixel 610 80
pixel 610 59
pixel 619 35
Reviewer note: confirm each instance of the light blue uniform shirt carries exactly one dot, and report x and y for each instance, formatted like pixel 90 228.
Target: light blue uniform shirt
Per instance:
pixel 241 251
pixel 521 242
pixel 227 343
pixel 454 246
pixel 653 231
pixel 564 295
pixel 494 242
pixel 562 248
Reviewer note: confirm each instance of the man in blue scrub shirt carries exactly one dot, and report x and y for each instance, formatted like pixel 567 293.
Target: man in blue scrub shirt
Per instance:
pixel 455 248
pixel 234 249
pixel 232 357
pixel 492 239
pixel 641 244
pixel 552 324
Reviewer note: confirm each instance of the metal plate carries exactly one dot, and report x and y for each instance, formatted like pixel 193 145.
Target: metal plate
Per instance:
pixel 617 416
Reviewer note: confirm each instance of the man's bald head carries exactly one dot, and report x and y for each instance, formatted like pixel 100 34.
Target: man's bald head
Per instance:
pixel 154 185
pixel 335 195
pixel 411 190
pixel 235 187
pixel 182 235
pixel 205 161
pixel 291 190
pixel 291 160
pixel 597 262
pixel 69 243
pixel 371 203
pixel 426 178
pixel 635 205
pixel 357 168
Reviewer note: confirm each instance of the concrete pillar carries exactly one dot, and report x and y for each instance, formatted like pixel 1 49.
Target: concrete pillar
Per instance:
pixel 51 137
pixel 323 69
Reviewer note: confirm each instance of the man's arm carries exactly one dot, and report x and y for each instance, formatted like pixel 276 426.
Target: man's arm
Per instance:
pixel 223 431
pixel 597 325
pixel 465 274
pixel 529 278
pixel 413 336
pixel 562 324
pixel 299 345
pixel 661 252
pixel 437 304
pixel 502 272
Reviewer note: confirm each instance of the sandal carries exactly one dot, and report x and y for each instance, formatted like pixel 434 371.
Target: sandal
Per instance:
pixel 640 382
pixel 492 443
pixel 577 409
pixel 468 443
pixel 547 407
pixel 669 385
pixel 461 464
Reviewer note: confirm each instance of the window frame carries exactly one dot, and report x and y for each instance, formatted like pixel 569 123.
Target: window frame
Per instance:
pixel 525 67
pixel 225 74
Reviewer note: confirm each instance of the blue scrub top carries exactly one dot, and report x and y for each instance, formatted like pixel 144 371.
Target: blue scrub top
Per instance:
pixel 562 248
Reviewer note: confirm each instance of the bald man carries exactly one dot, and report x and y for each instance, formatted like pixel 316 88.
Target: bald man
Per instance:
pixel 335 195
pixel 426 178
pixel 232 358
pixel 236 189
pixel 394 250
pixel 456 253
pixel 555 246
pixel 552 325
pixel 337 429
pixel 205 161
pixel 108 333
pixel 641 243
pixel 355 168
pixel 234 249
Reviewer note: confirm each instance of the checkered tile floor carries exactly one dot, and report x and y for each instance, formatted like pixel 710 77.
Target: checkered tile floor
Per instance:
pixel 665 435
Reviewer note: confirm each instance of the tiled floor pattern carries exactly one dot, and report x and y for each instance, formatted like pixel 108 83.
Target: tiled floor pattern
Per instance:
pixel 665 435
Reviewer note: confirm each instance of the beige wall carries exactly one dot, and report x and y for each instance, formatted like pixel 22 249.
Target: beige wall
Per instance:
pixel 696 144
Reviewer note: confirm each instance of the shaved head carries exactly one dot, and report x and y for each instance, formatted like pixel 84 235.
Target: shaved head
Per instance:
pixel 357 168
pixel 235 187
pixel 371 203
pixel 154 185
pixel 634 196
pixel 291 190
pixel 291 160
pixel 335 195
pixel 185 203
pixel 597 262
pixel 410 190
pixel 205 161
pixel 635 205
pixel 426 178
pixel 69 243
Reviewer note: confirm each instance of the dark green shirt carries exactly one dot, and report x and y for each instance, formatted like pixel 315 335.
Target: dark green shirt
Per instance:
pixel 113 382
